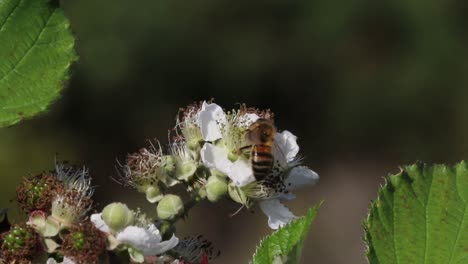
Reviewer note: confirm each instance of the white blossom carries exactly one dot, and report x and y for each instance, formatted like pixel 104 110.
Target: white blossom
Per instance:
pixel 224 134
pixel 73 202
pixel 65 261
pixel 145 240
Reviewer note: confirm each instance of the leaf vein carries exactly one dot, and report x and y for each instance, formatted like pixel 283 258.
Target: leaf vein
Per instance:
pixel 426 218
pixel 393 231
pixel 30 48
pixel 460 223
pixel 13 10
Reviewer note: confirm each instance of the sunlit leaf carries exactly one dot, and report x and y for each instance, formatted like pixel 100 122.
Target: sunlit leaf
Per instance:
pixel 285 245
pixel 420 216
pixel 36 50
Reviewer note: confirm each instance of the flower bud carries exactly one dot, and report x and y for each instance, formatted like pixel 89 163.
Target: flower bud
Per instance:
pixel 42 224
pixel 169 165
pixel 202 193
pixel 216 187
pixel 237 194
pixel 232 156
pixel 169 207
pixel 167 229
pixel 194 144
pixel 185 169
pixel 153 194
pixel 117 216
pixel 136 255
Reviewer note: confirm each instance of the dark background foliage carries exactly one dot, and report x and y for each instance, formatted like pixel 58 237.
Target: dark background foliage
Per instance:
pixel 365 85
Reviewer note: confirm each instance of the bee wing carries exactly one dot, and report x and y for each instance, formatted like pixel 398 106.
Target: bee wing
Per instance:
pixel 279 155
pixel 286 148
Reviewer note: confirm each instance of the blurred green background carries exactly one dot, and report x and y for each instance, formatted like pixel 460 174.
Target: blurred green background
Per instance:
pixel 365 85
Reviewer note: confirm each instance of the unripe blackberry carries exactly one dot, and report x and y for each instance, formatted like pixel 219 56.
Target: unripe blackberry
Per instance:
pixel 19 244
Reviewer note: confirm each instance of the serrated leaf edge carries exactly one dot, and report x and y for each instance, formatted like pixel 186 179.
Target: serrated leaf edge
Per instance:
pixel 388 186
pixel 310 214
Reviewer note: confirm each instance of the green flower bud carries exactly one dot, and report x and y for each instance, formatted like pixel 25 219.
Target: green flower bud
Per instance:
pixel 167 229
pixel 237 194
pixel 153 194
pixel 217 173
pixel 117 216
pixel 232 157
pixel 216 187
pixel 194 144
pixel 202 193
pixel 185 170
pixel 136 255
pixel 169 207
pixel 45 226
pixel 169 165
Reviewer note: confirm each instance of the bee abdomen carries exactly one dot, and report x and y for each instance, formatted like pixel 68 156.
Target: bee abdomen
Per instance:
pixel 262 161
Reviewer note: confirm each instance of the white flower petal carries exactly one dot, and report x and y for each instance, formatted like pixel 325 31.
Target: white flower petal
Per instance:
pixel 287 196
pixel 301 176
pixel 247 119
pixel 241 173
pixel 165 246
pixel 210 117
pixel 96 219
pixel 51 261
pixel 65 261
pixel 139 238
pixel 278 214
pixel 215 157
pixel 148 240
pixel 287 145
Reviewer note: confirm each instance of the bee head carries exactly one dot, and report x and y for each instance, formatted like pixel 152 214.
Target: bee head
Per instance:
pixel 261 131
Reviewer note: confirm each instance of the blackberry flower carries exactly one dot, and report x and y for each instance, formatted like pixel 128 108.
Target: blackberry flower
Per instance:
pixel 141 238
pixel 225 135
pixel 72 202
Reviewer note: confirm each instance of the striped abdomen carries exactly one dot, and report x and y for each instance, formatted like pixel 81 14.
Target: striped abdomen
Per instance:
pixel 262 161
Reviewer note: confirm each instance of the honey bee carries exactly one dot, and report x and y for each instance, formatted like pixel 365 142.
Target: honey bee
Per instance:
pixel 261 134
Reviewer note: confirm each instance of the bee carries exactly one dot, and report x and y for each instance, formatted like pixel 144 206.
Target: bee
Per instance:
pixel 261 135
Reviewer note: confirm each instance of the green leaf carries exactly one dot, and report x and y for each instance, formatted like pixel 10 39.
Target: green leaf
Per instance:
pixel 285 245
pixel 420 216
pixel 36 50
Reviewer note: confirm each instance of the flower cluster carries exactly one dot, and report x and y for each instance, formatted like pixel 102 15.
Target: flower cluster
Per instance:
pixel 60 229
pixel 57 203
pixel 216 153
pixel 132 231
pixel 213 154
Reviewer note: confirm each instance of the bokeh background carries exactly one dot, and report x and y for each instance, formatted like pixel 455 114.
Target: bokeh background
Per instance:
pixel 365 85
